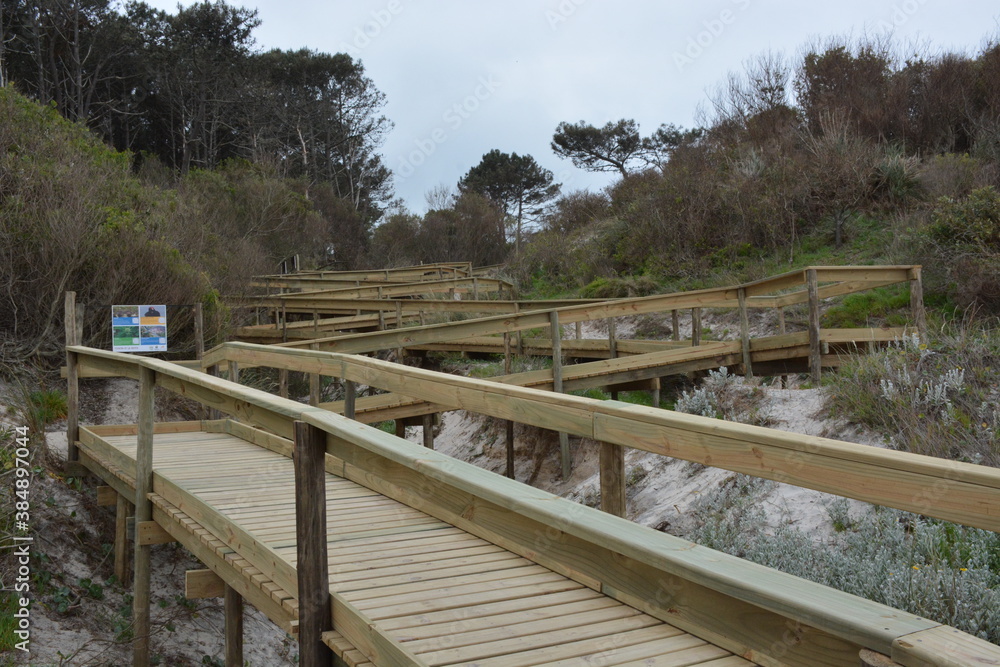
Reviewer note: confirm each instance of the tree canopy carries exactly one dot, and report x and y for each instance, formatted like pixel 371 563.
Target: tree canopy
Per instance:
pixel 517 184
pixel 617 146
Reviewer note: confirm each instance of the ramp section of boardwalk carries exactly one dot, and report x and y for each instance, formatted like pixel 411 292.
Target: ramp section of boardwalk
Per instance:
pixel 443 595
pixel 391 513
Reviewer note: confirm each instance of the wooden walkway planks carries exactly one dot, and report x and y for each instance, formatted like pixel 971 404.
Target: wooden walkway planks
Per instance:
pixel 446 596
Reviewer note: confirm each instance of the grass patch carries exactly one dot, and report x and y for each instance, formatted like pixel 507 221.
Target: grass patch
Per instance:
pixel 883 305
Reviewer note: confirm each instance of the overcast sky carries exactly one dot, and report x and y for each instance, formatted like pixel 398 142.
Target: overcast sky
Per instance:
pixel 462 77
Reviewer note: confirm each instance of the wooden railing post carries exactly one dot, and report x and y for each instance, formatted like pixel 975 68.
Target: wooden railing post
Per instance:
pixel 557 386
pixel 199 331
pixel 509 424
pixel 613 479
pixel 350 398
pixel 143 512
pixel 745 331
pixel 815 349
pixel 675 322
pixel 314 383
pixel 917 303
pixel 781 330
pixel 283 382
pixel 612 348
pixel 313 577
pixel 695 327
pixel 72 382
pixel 428 431
pixel 199 345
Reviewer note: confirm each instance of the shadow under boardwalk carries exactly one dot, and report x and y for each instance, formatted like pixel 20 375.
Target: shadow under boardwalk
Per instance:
pixel 445 595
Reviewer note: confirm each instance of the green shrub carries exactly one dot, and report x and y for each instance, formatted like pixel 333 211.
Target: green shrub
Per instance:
pixel 620 288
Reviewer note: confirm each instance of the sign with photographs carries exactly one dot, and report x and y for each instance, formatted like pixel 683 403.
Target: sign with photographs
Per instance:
pixel 139 328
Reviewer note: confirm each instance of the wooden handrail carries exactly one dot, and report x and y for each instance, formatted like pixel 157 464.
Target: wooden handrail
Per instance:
pixel 740 606
pixel 951 490
pixel 845 280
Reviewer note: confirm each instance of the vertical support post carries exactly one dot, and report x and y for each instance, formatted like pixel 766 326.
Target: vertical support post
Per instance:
pixel 520 340
pixel 199 331
pixel 214 413
pixel 350 398
pixel 72 381
pixel 284 322
pixel 655 392
pixel 741 294
pixel 579 330
pixel 917 302
pixel 199 346
pixel 612 338
pixel 815 349
pixel 557 386
pixel 233 369
pixel 399 325
pixel 143 512
pixel 283 382
pixel 475 289
pixel 121 540
pixel 428 431
pixel 612 348
pixel 423 321
pixel 313 576
pixel 314 383
pixel 781 330
pixel 509 424
pixel 316 323
pixel 613 479
pixel 381 320
pixel 675 323
pixel 234 627
pixel 695 327
pixel 400 428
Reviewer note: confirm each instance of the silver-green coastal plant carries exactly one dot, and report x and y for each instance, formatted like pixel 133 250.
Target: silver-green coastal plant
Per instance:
pixel 939 396
pixel 723 395
pixel 942 571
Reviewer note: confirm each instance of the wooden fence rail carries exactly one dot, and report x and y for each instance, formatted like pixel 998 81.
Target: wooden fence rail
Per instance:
pixel 737 605
pixel 949 490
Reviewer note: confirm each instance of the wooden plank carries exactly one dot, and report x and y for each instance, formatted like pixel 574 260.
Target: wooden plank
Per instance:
pixel 943 646
pixel 201 584
pixel 310 540
pixel 106 496
pixel 201 546
pixel 150 532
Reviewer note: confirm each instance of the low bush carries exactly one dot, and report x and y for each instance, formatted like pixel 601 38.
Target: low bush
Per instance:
pixel 939 570
pixel 939 397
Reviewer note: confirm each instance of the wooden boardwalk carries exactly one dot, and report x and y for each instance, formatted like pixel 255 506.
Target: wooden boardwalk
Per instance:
pixel 446 596
pixel 393 554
